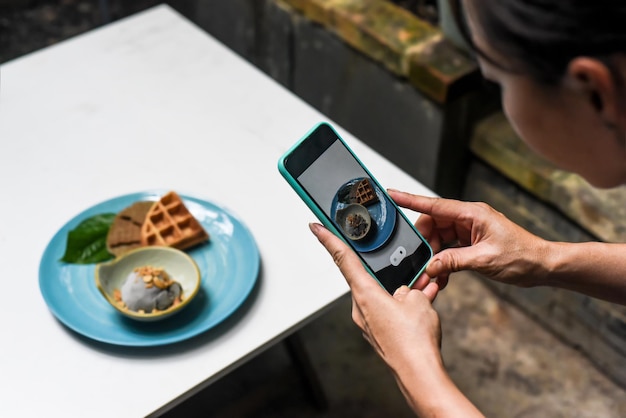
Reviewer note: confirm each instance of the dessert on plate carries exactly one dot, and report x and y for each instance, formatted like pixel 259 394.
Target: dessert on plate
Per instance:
pixel 169 223
pixel 125 232
pixel 166 222
pixel 148 289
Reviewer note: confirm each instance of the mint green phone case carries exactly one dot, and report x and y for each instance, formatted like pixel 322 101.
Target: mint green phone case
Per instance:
pixel 300 191
pixel 319 213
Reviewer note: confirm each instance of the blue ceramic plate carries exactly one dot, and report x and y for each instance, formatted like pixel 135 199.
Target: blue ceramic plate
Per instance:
pixel 229 264
pixel 382 213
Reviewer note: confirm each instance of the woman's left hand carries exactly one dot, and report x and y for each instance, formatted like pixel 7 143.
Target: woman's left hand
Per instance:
pixel 401 328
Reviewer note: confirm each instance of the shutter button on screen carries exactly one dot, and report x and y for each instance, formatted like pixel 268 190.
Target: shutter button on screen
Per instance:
pixel 397 256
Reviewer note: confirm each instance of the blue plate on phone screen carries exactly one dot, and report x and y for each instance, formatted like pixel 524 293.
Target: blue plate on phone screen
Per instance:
pixel 383 214
pixel 228 263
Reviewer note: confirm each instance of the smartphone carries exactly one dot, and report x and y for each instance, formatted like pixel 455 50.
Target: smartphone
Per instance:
pixel 348 200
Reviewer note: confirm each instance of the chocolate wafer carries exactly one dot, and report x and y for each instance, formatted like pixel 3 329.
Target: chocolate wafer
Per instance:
pixel 125 232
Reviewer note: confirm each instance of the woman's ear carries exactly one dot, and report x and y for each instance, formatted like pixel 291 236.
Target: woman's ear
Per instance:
pixel 593 79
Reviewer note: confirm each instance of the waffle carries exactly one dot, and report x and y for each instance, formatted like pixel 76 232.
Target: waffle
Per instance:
pixel 363 193
pixel 169 223
pixel 125 231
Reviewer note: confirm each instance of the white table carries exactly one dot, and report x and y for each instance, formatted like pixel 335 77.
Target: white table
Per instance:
pixel 156 87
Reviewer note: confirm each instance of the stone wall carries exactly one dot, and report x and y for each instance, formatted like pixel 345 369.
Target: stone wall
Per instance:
pixel 558 206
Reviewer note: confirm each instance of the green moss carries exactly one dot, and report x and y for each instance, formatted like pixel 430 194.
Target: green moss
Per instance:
pixel 400 41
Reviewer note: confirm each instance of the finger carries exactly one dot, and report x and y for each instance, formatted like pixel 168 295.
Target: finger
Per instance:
pixel 435 270
pixel 442 221
pixel 453 259
pixel 439 208
pixel 427 228
pixel 348 262
pixel 421 282
pixel 401 291
pixel 421 204
pixel 442 282
pixel 431 291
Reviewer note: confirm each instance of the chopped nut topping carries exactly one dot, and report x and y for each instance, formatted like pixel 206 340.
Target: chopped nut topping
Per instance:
pixel 154 276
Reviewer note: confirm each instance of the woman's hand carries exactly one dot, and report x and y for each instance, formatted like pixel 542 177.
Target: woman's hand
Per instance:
pixel 398 327
pixel 404 330
pixel 474 236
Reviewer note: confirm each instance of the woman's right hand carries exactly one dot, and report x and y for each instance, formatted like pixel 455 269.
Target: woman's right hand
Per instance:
pixel 474 236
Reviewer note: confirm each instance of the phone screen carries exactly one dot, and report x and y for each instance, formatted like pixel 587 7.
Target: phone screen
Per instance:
pixel 361 211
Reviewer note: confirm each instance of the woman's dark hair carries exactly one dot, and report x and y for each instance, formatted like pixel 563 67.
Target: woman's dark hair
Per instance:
pixel 541 37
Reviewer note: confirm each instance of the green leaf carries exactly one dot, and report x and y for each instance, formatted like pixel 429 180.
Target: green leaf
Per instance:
pixel 86 244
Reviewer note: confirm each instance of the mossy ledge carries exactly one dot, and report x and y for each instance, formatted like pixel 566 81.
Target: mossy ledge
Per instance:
pixel 406 45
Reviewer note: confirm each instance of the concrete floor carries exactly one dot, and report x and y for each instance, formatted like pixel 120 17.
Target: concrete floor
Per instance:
pixel 502 360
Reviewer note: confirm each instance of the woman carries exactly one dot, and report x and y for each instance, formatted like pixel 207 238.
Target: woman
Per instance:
pixel 561 66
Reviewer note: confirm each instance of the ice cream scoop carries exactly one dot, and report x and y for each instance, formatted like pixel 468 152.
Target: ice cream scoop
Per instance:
pixel 141 294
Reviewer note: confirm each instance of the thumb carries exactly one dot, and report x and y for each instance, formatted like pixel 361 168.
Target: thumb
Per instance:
pixel 402 290
pixel 452 260
pixel 348 262
pixel 431 291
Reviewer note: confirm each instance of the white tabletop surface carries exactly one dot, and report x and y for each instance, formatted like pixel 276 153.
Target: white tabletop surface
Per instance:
pixel 149 102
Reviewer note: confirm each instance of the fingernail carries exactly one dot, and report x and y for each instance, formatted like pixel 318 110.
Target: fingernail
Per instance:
pixel 315 228
pixel 393 191
pixel 435 265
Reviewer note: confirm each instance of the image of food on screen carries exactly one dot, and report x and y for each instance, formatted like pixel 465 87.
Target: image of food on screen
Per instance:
pixel 354 220
pixel 353 206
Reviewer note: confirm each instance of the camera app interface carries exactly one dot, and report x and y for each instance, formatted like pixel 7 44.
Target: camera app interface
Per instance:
pixel 365 216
